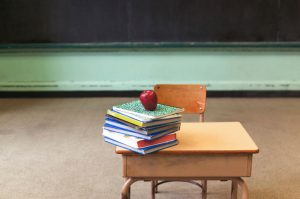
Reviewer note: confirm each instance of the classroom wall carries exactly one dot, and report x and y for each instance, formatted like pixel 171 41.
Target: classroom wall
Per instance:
pixel 223 69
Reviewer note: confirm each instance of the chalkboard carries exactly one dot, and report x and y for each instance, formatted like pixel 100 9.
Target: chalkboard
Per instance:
pixel 107 21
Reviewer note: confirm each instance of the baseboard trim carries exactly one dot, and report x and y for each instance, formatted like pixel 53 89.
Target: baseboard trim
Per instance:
pixel 76 94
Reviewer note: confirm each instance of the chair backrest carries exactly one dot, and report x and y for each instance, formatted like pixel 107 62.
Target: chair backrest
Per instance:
pixel 191 97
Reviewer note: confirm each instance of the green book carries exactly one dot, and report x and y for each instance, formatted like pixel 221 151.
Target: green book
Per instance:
pixel 141 124
pixel 136 109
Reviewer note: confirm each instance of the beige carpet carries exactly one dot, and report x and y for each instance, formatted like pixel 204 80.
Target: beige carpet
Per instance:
pixel 52 148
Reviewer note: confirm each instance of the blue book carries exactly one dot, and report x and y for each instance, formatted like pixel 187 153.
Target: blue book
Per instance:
pixel 143 151
pixel 142 130
pixel 139 135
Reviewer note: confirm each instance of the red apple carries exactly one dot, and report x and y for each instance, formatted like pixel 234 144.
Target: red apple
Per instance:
pixel 148 99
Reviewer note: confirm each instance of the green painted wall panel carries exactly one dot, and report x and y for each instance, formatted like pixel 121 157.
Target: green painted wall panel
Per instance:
pixel 138 70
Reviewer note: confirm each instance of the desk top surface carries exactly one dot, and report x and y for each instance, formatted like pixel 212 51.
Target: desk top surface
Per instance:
pixel 209 138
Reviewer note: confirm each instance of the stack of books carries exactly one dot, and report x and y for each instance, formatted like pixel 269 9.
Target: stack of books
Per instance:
pixel 132 127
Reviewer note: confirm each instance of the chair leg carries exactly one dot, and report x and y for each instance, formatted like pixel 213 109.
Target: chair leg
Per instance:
pixel 204 189
pixel 156 187
pixel 155 183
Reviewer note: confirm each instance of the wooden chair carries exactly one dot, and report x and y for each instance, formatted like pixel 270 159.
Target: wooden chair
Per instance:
pixel 191 97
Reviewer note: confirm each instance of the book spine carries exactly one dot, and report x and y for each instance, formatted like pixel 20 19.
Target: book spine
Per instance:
pixel 163 139
pixel 134 113
pixel 144 151
pixel 113 124
pixel 141 136
pixel 130 141
pixel 124 146
pixel 130 120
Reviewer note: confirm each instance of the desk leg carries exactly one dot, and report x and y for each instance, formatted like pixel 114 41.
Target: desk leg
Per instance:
pixel 126 188
pixel 204 189
pixel 234 187
pixel 153 188
pixel 128 194
pixel 243 186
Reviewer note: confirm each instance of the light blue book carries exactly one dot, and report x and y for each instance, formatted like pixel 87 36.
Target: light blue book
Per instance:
pixel 145 130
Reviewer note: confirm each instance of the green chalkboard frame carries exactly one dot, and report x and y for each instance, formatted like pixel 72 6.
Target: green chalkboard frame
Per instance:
pixel 128 46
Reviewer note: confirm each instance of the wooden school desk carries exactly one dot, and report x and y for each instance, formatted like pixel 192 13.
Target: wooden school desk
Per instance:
pixel 211 151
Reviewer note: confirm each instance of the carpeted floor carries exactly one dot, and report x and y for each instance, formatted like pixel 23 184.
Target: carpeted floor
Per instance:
pixel 52 148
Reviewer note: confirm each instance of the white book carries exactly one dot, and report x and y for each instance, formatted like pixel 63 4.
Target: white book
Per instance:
pixel 141 151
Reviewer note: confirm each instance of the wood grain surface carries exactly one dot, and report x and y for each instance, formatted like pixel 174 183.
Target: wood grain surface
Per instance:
pixel 209 137
pixel 191 97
